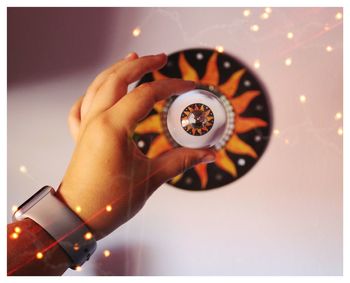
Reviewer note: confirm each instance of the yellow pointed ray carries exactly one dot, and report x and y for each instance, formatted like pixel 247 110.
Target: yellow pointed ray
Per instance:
pixel 151 124
pixel 176 179
pixel 201 170
pixel 225 163
pixel 158 106
pixel 243 125
pixel 187 72
pixel 211 76
pixel 236 145
pixel 241 102
pixel 229 88
pixel 159 76
pixel 159 145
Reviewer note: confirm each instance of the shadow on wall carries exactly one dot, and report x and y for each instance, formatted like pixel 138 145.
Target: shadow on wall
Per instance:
pixel 123 261
pixel 46 42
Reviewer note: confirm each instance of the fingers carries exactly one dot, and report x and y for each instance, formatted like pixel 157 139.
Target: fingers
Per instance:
pixel 74 118
pixel 100 79
pixel 178 160
pixel 138 103
pixel 116 84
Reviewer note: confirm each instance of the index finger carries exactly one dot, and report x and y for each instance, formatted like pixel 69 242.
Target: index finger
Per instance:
pixel 137 104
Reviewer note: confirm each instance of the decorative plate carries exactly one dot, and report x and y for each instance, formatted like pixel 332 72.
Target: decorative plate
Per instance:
pixel 250 105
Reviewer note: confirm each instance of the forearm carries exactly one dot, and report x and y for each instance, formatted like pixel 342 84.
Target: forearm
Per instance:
pixel 32 251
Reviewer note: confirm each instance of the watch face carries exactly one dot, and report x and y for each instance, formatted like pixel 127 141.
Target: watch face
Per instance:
pixel 237 86
pixel 29 203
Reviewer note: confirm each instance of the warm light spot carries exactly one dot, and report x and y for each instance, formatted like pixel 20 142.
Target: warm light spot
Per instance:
pixel 264 16
pixel 14 236
pixel 268 10
pixel 257 64
pixel 23 169
pixel 340 131
pixel 14 208
pixel 329 48
pixel 76 247
pixel 276 132
pixel 18 230
pixel 109 208
pixel 136 32
pixel 106 253
pixel 338 116
pixel 77 268
pixel 219 48
pixel 254 28
pixel 326 27
pixel 288 61
pixel 246 13
pixel 290 35
pixel 338 16
pixel 286 141
pixel 39 255
pixel 78 208
pixel 302 98
pixel 88 236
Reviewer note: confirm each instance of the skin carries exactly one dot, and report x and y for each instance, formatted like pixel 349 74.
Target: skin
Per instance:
pixel 108 177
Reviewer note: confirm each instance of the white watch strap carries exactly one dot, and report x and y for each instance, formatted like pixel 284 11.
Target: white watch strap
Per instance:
pixel 62 224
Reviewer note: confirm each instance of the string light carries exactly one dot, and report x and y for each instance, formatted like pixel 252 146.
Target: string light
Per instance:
pixel 106 253
pixel 340 131
pixel 286 141
pixel 14 236
pixel 329 48
pixel 136 32
pixel 78 208
pixel 109 208
pixel 257 64
pixel 39 255
pixel 23 169
pixel 264 16
pixel 88 236
pixel 276 132
pixel 219 48
pixel 338 116
pixel 246 13
pixel 288 61
pixel 268 10
pixel 18 230
pixel 14 208
pixel 339 16
pixel 302 98
pixel 254 28
pixel 76 247
pixel 326 27
pixel 290 35
pixel 77 268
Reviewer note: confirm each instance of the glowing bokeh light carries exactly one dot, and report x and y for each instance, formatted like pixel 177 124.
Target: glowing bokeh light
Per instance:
pixel 136 32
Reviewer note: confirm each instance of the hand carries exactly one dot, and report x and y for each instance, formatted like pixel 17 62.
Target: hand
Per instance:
pixel 108 177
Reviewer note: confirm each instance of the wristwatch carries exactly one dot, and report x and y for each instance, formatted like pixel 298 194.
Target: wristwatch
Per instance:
pixel 58 220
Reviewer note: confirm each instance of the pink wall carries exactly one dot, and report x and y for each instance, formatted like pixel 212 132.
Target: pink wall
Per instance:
pixel 283 218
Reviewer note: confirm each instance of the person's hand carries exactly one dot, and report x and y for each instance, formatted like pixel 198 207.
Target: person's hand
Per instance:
pixel 109 179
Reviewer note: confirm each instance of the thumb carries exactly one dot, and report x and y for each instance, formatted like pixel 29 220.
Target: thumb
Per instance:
pixel 178 160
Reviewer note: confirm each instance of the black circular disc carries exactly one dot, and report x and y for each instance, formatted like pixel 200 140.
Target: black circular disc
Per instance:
pixel 250 105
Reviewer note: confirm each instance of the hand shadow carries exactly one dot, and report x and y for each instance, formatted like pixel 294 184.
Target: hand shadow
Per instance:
pixel 122 261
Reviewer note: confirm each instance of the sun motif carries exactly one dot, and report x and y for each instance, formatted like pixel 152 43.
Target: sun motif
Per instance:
pixel 197 119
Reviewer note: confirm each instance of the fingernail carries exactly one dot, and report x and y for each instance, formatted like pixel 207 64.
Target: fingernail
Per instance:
pixel 209 158
pixel 129 56
pixel 161 54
